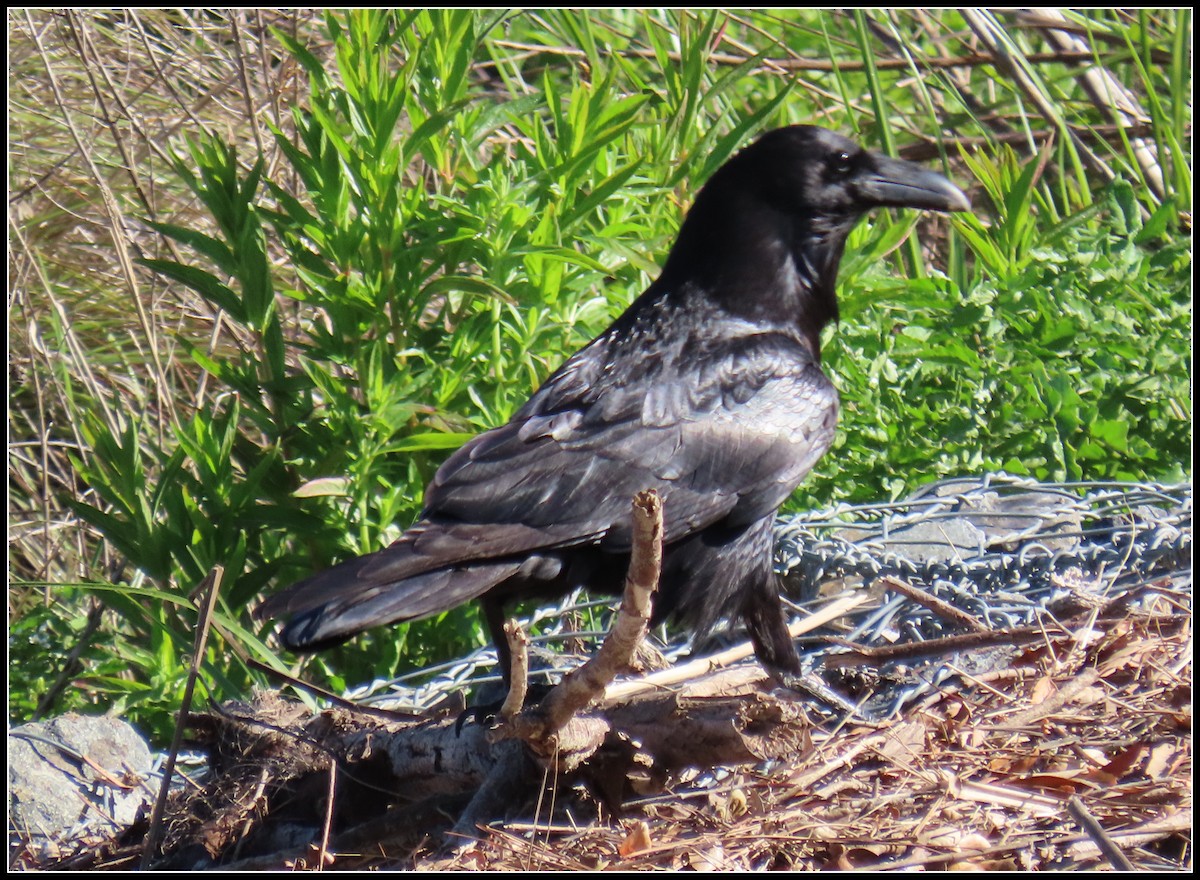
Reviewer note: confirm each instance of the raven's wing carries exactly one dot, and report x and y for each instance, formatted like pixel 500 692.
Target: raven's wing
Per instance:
pixel 723 428
pixel 727 433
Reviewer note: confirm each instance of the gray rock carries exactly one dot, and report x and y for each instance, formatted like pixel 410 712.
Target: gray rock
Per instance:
pixel 963 519
pixel 75 774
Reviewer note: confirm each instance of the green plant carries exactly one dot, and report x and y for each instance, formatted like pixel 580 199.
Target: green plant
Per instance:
pixel 445 214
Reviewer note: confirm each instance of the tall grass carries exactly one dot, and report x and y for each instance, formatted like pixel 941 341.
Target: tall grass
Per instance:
pixel 294 260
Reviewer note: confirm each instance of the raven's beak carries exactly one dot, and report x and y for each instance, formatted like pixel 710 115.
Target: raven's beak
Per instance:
pixel 895 183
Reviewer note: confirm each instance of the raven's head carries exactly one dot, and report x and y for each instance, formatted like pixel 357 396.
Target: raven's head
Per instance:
pixel 809 172
pixel 767 231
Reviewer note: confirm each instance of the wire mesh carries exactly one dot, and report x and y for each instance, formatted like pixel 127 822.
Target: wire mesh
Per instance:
pixel 1006 551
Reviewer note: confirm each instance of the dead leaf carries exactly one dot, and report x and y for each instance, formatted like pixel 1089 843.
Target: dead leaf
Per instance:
pixel 1042 691
pixel 1162 761
pixel 904 742
pixel 953 837
pixel 637 840
pixel 711 859
pixel 1067 781
pixel 737 805
pixel 1118 768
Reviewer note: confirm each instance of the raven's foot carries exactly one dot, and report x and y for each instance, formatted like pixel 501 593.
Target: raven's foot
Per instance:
pixel 812 686
pixel 485 713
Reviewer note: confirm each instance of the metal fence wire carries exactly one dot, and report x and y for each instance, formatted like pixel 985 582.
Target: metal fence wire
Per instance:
pixel 1005 551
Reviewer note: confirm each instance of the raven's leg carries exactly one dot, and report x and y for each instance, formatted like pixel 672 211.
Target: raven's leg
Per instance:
pixel 726 572
pixel 762 612
pixel 493 616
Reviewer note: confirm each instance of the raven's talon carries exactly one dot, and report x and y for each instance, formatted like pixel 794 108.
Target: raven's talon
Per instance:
pixel 484 715
pixel 813 687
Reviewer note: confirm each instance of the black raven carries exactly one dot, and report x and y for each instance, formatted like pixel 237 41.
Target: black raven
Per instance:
pixel 708 389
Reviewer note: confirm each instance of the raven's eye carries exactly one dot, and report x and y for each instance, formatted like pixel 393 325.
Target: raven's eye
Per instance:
pixel 842 164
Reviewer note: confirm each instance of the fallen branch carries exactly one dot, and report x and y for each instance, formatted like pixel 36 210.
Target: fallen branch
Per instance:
pixel 554 729
pixel 748 676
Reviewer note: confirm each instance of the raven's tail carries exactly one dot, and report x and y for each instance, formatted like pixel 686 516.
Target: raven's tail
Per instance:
pixel 342 601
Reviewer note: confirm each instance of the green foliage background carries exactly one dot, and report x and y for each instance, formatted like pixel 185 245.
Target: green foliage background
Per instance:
pixel 368 236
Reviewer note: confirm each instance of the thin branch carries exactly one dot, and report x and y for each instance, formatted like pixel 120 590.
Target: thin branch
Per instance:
pixel 208 590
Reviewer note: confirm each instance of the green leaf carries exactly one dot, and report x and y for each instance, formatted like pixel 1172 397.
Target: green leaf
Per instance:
pixel 203 283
